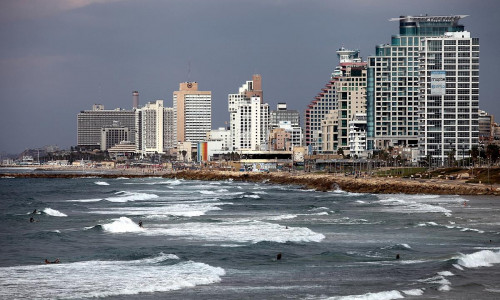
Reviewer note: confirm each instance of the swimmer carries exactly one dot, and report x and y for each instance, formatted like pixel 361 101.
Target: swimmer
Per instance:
pixel 52 262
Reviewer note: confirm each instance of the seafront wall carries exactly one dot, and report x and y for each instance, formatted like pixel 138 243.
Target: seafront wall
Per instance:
pixel 320 182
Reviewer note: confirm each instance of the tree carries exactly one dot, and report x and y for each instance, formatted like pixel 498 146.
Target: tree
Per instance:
pixel 492 152
pixel 474 153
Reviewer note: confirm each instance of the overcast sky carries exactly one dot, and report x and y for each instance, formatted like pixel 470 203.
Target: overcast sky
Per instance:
pixel 58 57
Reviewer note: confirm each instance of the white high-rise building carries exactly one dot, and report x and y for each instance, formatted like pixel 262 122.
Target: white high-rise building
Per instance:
pixel 249 117
pixel 251 125
pixel 155 128
pixel 449 95
pixel 393 91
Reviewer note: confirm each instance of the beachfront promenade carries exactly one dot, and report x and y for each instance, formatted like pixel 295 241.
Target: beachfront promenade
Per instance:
pixel 318 181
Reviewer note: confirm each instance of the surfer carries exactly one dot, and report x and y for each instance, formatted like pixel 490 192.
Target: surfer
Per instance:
pixel 278 257
pixel 32 220
pixel 397 256
pixel 140 224
pixel 52 262
pixel 34 212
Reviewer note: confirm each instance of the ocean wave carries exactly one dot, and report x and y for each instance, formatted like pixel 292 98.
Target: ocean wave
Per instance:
pixel 124 196
pixel 397 247
pixel 483 258
pixel 54 213
pixel 122 225
pixel 86 200
pixel 194 209
pixel 240 231
pixel 386 295
pixel 414 292
pixel 96 279
pixel 101 183
pixel 408 205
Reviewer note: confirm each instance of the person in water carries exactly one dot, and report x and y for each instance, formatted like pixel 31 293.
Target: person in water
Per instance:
pixel 140 224
pixel 32 220
pixel 34 212
pixel 278 257
pixel 52 262
pixel 397 256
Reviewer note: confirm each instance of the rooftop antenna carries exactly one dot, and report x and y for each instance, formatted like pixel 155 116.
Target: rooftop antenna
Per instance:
pixel 189 71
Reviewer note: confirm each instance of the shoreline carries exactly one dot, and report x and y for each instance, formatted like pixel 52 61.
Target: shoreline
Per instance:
pixel 317 181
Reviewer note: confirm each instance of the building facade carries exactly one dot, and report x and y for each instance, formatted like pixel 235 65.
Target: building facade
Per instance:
pixel 155 128
pixel 111 136
pixel 192 112
pixel 249 116
pixel 449 95
pixel 283 114
pixel 91 122
pixel 357 136
pixel 393 81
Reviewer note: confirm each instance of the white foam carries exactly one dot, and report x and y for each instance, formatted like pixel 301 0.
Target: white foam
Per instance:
pixel 131 196
pixel 54 213
pixel 122 225
pixel 85 200
pixel 414 292
pixel 97 279
pixel 458 267
pixel 446 273
pixel 194 209
pixel 251 196
pixel 101 183
pixel 239 231
pixel 412 204
pixel 280 217
pixel 444 288
pixel 387 295
pixel 483 258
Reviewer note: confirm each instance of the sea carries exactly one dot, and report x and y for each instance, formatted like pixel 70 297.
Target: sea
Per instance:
pixel 240 240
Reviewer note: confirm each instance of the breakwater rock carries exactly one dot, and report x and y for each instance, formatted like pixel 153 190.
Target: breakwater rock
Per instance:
pixel 320 182
pixel 327 182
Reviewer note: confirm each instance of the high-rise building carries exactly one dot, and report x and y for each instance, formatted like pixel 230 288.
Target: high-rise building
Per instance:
pixel 393 81
pixel 249 116
pixel 91 122
pixel 155 128
pixel 192 112
pixel 449 95
pixel 113 135
pixel 350 93
pixel 326 101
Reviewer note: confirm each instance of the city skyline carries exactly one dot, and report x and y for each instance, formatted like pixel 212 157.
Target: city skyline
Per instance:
pixel 59 58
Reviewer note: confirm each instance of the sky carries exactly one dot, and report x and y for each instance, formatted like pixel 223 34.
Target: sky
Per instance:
pixel 59 57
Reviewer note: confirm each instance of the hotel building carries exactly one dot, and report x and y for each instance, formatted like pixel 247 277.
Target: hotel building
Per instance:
pixel 192 113
pixel 155 128
pixel 449 95
pixel 393 86
pixel 91 122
